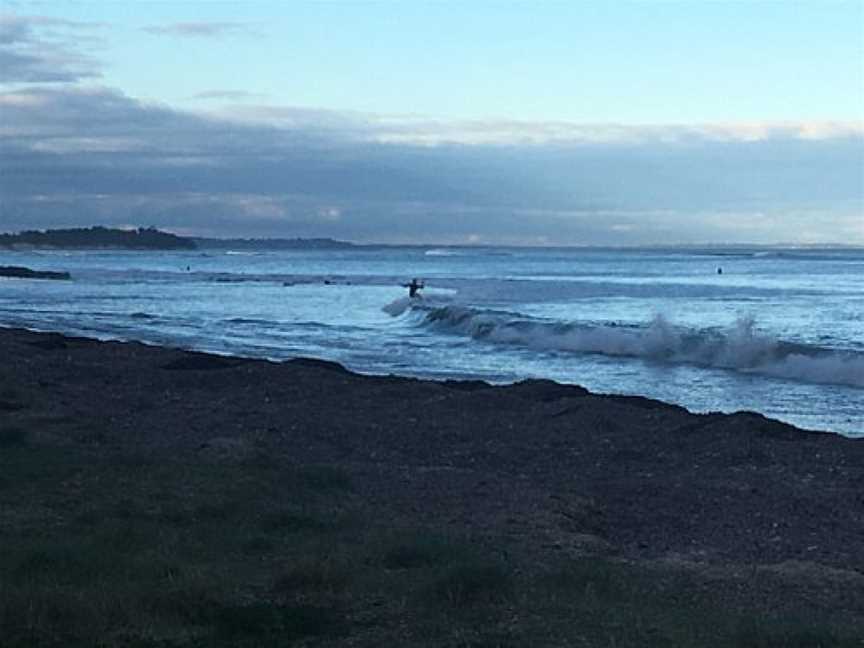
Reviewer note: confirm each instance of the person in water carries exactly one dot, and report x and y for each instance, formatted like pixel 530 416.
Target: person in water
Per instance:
pixel 414 288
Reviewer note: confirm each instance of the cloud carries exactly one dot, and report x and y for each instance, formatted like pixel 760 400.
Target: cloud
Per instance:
pixel 37 49
pixel 76 156
pixel 418 130
pixel 342 124
pixel 200 29
pixel 415 130
pixel 430 132
pixel 228 95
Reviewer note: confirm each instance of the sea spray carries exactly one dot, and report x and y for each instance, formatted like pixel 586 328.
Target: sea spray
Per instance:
pixel 740 347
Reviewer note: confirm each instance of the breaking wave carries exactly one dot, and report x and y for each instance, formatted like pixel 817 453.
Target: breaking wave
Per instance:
pixel 740 347
pixel 397 307
pixel 466 252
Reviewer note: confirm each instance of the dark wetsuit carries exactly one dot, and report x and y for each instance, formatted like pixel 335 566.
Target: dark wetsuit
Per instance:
pixel 414 288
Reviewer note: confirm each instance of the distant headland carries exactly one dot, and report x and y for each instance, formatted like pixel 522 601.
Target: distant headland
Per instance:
pixel 150 238
pixel 143 238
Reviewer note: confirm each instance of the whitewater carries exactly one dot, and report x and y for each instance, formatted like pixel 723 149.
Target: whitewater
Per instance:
pixel 777 331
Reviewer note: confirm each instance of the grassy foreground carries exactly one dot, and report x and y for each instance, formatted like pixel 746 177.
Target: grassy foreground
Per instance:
pixel 102 548
pixel 151 497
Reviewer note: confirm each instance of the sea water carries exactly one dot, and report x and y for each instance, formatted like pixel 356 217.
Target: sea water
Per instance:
pixel 778 331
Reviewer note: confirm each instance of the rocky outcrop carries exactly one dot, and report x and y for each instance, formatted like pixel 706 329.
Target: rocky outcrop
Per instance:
pixel 19 272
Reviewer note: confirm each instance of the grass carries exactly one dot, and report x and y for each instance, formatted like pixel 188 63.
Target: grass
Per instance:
pixel 11 399
pixel 11 436
pixel 471 583
pixel 100 545
pixel 283 623
pixel 314 573
pixel 118 550
pixel 754 632
pixel 417 549
pixel 323 478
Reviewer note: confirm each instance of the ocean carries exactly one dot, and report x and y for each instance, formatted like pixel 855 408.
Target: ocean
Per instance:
pixel 776 331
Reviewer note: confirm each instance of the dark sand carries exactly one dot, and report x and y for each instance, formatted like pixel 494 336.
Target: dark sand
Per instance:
pixel 544 469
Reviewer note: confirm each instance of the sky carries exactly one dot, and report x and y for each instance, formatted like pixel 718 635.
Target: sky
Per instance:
pixel 536 123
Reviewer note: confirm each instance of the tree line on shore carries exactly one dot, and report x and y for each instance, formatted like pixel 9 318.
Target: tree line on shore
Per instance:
pixel 142 238
pixel 150 238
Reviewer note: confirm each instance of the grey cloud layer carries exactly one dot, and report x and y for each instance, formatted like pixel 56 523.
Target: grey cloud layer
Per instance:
pixel 35 49
pixel 75 157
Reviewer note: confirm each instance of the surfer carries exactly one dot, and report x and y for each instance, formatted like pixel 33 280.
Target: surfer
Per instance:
pixel 414 288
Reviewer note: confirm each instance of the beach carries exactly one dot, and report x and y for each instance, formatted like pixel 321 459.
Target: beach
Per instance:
pixel 431 324
pixel 750 520
pixel 778 333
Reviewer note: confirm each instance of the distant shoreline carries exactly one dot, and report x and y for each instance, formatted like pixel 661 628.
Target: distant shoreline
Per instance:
pixel 94 238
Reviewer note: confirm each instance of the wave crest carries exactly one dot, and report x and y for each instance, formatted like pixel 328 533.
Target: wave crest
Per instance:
pixel 740 347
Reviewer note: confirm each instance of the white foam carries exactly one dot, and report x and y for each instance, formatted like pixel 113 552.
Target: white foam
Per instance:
pixel 398 306
pixel 740 347
pixel 466 252
pixel 831 369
